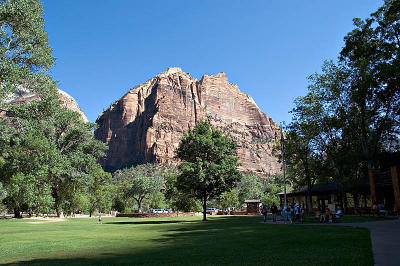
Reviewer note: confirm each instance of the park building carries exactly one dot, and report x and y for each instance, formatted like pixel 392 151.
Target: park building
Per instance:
pixel 381 187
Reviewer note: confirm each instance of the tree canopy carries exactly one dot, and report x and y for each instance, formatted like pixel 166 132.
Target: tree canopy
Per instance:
pixel 139 182
pixel 48 154
pixel 209 163
pixel 351 113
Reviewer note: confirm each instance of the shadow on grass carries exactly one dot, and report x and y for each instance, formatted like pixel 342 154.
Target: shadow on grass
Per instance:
pixel 233 241
pixel 152 222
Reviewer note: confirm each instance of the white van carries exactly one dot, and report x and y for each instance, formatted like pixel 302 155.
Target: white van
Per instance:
pixel 156 210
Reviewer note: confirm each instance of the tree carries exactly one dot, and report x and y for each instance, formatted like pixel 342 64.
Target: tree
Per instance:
pixel 371 57
pixel 101 191
pixel 24 57
pixel 25 168
pixel 209 163
pixel 272 186
pixel 250 187
pixel 230 199
pixel 47 151
pixel 303 160
pixel 156 200
pixel 25 54
pixel 140 181
pixel 337 140
pixel 3 195
pixel 51 147
pixel 177 199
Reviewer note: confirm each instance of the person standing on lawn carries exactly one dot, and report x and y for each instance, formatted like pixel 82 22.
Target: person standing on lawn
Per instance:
pixel 264 211
pixel 274 210
pixel 287 214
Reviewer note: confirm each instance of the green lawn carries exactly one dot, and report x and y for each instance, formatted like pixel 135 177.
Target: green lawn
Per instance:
pixel 181 241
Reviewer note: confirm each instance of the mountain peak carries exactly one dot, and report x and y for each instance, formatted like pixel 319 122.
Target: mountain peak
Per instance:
pixel 147 123
pixel 170 71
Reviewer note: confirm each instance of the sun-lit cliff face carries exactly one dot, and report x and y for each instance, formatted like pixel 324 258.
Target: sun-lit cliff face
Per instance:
pixel 147 123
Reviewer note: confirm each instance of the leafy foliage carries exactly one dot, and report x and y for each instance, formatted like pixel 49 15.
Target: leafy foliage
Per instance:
pixel 351 112
pixel 209 163
pixel 47 152
pixel 140 182
pixel 179 200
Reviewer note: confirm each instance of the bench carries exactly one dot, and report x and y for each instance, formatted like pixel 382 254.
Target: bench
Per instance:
pixel 361 211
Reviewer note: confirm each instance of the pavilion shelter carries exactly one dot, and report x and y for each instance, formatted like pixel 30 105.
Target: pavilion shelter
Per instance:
pixel 253 206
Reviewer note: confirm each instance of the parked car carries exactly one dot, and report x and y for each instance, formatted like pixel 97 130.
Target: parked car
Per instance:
pixel 211 210
pixel 157 211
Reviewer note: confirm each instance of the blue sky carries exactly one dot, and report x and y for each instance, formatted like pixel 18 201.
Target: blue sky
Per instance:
pixel 268 48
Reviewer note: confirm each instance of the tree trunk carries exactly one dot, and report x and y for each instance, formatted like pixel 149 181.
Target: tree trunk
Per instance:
pixel 90 213
pixel 17 212
pixel 309 185
pixel 205 207
pixel 365 200
pixel 309 199
pixel 139 202
pixel 309 196
pixel 356 199
pixel 57 207
pixel 344 198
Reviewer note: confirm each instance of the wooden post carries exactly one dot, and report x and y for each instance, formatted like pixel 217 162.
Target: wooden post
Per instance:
pixel 395 171
pixel 372 186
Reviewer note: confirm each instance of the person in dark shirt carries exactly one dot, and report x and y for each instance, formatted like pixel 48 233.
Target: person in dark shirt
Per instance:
pixel 265 212
pixel 274 211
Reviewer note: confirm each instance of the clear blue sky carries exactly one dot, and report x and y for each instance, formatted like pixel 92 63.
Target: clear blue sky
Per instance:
pixel 268 48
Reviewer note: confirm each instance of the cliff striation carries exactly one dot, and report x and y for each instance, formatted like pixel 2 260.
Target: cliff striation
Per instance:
pixel 147 123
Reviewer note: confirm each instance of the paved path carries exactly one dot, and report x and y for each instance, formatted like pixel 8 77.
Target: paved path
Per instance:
pixel 385 238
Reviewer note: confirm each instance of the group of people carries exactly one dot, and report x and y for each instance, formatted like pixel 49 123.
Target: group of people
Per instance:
pixel 273 210
pixel 290 214
pixel 329 216
pixel 379 209
pixel 293 213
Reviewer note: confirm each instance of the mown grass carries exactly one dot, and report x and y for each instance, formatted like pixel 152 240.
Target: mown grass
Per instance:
pixel 181 241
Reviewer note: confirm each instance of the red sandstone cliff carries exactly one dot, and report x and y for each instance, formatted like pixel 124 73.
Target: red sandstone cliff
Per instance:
pixel 147 123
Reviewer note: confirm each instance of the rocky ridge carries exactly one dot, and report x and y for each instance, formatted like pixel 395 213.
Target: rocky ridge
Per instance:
pixel 25 95
pixel 147 123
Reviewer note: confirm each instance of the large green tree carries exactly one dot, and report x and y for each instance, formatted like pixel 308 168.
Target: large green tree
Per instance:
pixel 52 146
pixel 140 182
pixel 371 56
pixel 208 163
pixel 101 191
pixel 47 151
pixel 25 55
pixel 352 110
pixel 250 187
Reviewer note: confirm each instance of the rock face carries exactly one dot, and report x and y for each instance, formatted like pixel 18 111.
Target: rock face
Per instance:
pixel 24 95
pixel 147 123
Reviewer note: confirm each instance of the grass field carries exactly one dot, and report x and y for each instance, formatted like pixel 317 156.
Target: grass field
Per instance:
pixel 181 241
